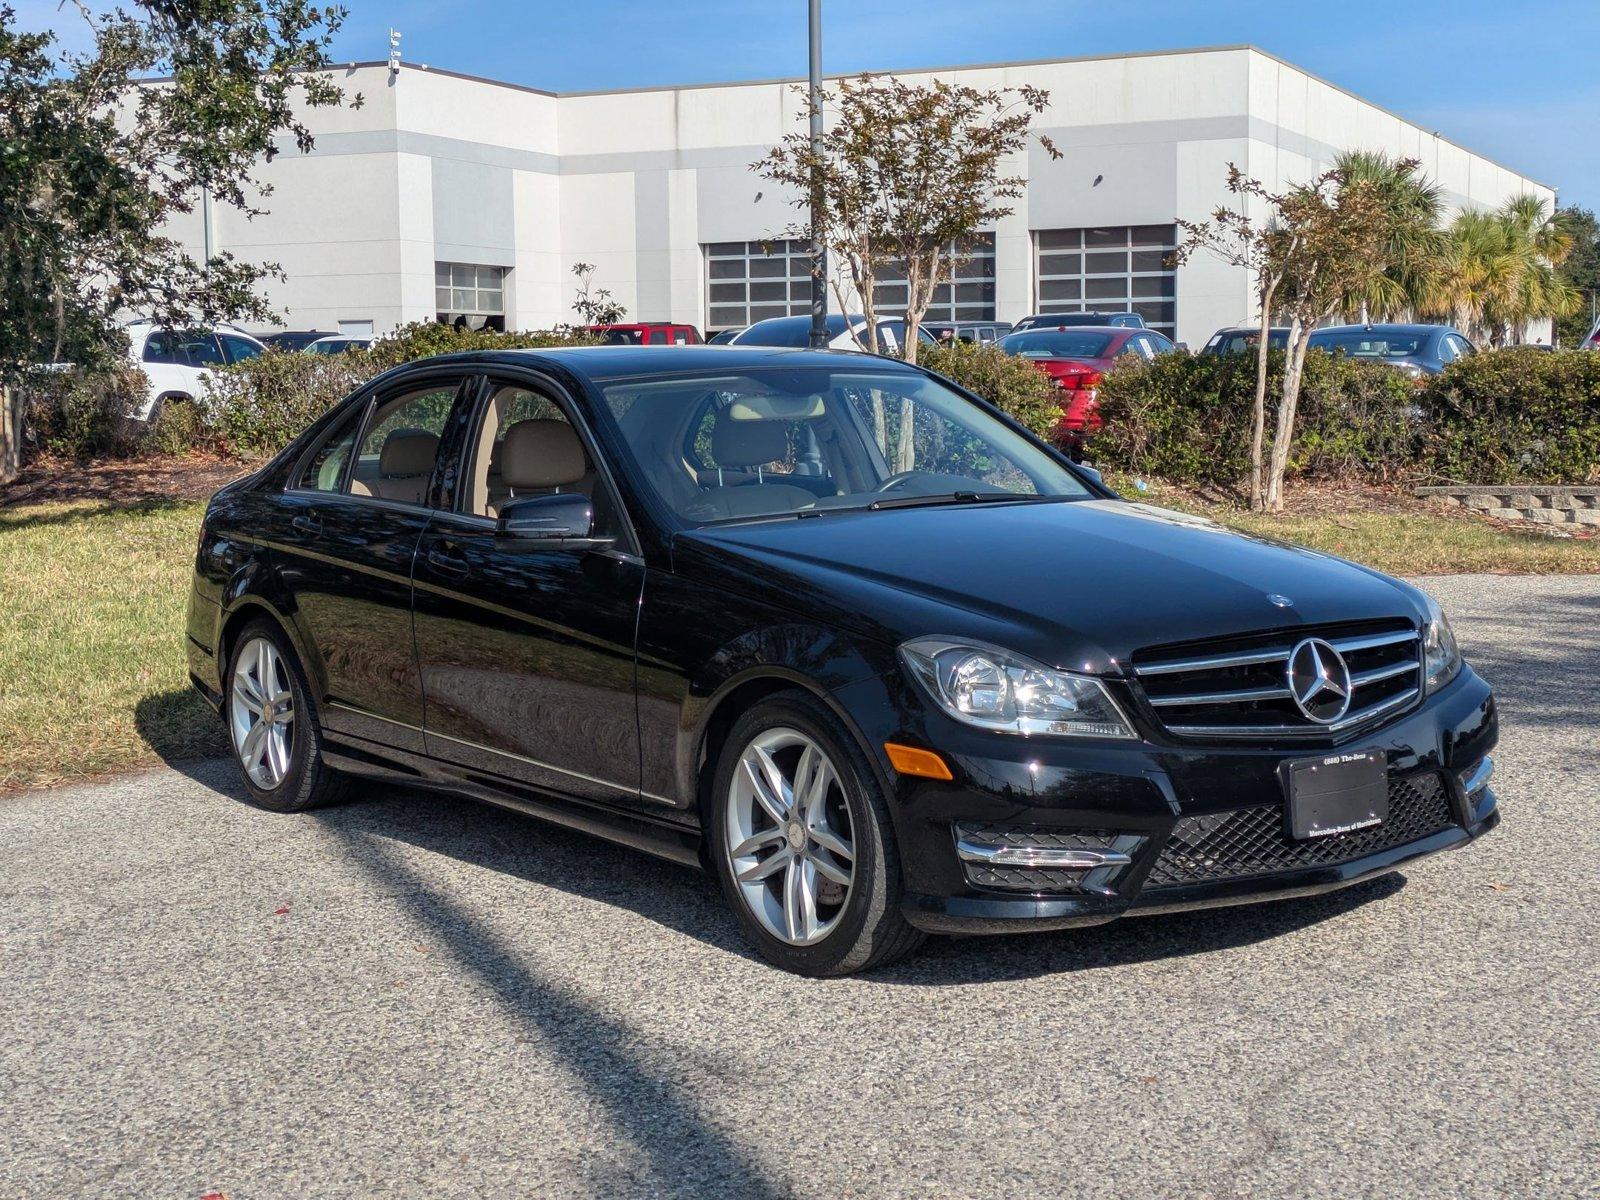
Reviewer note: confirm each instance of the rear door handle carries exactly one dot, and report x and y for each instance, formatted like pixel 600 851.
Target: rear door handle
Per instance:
pixel 307 523
pixel 446 563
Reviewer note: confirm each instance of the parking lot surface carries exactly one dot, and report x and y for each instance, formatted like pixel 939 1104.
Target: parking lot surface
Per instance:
pixel 415 996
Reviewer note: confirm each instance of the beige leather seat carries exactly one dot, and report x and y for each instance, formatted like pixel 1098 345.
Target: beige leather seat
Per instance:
pixel 536 457
pixel 405 464
pixel 743 449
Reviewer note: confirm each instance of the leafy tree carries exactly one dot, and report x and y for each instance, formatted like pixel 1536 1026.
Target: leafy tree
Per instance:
pixel 1581 272
pixel 1259 246
pixel 175 100
pixel 904 175
pixel 594 307
pixel 1319 245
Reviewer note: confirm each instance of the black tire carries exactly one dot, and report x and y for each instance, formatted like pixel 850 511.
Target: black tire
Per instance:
pixel 308 782
pixel 870 929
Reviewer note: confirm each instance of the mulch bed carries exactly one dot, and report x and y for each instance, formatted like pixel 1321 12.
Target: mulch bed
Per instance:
pixel 121 481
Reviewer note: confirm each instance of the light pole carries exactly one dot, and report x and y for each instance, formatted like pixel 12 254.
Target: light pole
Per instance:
pixel 819 257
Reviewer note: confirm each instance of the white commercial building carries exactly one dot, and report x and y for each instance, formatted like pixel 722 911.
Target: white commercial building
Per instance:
pixel 445 195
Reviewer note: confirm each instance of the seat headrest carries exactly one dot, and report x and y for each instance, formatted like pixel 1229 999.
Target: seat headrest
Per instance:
pixel 747 443
pixel 408 452
pixel 541 453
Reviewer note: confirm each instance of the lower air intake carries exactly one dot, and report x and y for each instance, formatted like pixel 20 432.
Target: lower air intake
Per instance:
pixel 1252 841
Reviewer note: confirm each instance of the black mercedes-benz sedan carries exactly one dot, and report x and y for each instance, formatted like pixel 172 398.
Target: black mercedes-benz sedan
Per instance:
pixel 831 627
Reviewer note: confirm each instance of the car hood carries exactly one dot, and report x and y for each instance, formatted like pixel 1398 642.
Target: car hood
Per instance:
pixel 1078 585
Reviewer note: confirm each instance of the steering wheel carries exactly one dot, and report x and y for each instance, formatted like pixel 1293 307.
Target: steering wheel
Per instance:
pixel 897 481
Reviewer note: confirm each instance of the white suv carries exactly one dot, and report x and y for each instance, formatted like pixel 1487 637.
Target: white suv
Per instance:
pixel 178 362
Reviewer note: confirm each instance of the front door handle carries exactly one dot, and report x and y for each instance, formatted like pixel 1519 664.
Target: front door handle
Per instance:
pixel 446 563
pixel 307 523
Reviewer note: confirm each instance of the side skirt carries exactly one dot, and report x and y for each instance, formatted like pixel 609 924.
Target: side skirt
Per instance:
pixel 671 840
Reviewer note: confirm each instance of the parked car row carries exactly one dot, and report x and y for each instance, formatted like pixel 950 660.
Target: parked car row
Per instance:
pixel 1417 350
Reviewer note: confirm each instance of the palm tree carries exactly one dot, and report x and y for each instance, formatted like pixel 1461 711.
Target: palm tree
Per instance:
pixel 1496 270
pixel 1413 204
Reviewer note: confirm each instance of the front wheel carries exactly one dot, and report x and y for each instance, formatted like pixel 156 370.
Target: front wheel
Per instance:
pixel 803 842
pixel 272 727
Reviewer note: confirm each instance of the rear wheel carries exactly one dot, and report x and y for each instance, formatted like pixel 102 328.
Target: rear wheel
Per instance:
pixel 803 843
pixel 271 726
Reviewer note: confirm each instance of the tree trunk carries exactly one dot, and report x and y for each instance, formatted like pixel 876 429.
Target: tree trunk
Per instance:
pixel 905 450
pixel 10 433
pixel 1283 438
pixel 1258 415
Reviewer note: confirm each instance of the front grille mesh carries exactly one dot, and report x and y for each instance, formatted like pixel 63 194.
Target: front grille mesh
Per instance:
pixel 1236 688
pixel 1252 841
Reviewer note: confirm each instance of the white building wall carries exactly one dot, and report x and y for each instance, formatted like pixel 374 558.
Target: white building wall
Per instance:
pixel 440 167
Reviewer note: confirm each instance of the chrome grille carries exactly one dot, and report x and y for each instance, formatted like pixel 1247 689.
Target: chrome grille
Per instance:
pixel 1240 688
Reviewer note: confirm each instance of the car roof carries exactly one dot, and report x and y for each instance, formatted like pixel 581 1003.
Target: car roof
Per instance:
pixel 1130 330
pixel 1396 327
pixel 607 363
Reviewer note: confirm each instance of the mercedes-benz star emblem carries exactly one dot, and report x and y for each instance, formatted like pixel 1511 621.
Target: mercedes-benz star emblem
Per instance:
pixel 1319 681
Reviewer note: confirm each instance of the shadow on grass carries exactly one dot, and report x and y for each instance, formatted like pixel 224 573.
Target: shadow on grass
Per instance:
pixel 30 515
pixel 180 727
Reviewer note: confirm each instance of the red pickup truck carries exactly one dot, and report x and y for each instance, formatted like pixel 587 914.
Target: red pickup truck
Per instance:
pixel 645 333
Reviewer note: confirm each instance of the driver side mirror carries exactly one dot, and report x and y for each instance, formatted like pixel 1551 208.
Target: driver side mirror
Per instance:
pixel 562 515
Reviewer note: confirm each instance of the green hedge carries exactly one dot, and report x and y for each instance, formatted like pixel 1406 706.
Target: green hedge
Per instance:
pixel 82 414
pixel 1188 419
pixel 1006 381
pixel 1514 416
pixel 252 410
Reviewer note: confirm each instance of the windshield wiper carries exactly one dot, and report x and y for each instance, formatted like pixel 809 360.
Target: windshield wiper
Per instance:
pixel 958 498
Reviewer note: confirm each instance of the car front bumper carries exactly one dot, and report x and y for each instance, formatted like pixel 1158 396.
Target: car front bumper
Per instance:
pixel 1184 826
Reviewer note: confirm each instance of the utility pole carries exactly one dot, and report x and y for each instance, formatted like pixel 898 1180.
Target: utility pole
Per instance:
pixel 819 256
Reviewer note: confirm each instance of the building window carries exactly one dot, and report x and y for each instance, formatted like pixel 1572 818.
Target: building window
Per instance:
pixel 1118 269
pixel 969 296
pixel 748 282
pixel 469 295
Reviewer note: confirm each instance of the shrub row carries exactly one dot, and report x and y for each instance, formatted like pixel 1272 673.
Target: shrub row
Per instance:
pixel 1502 416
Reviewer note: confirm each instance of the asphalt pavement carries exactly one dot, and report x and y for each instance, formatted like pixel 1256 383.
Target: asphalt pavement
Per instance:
pixel 421 997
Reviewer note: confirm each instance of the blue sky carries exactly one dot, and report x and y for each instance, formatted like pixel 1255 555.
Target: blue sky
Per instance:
pixel 1520 84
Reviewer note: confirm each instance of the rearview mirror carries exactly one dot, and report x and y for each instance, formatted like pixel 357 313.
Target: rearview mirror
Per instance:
pixel 561 515
pixel 1092 472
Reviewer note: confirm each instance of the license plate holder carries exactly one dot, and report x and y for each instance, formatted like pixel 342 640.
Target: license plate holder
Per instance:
pixel 1336 793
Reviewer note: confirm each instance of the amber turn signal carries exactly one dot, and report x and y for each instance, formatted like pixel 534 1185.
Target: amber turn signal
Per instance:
pixel 908 760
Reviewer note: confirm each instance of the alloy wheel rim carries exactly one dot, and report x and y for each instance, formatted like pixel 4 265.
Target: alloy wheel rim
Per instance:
pixel 791 843
pixel 261 713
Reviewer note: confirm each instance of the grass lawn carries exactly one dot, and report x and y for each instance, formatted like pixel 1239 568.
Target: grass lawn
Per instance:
pixel 92 675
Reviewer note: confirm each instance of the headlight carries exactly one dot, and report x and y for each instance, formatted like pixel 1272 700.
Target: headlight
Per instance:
pixel 993 689
pixel 1441 658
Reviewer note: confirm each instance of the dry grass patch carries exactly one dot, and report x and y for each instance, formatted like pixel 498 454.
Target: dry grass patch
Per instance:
pixel 92 674
pixel 1393 531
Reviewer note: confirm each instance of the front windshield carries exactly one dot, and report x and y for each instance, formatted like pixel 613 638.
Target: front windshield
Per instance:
pixel 1369 344
pixel 773 442
pixel 1041 343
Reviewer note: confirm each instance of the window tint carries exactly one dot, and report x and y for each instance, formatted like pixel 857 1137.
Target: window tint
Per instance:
pixel 182 349
pixel 1056 344
pixel 324 470
pixel 401 444
pixel 238 349
pixel 1369 344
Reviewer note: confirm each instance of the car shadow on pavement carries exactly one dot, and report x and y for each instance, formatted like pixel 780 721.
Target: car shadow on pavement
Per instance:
pixel 690 903
pixel 683 1154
